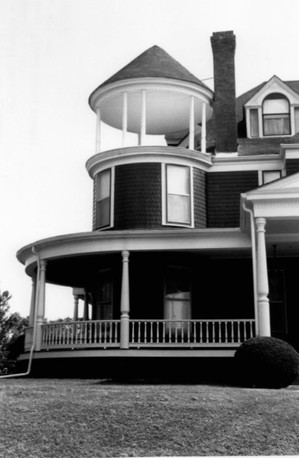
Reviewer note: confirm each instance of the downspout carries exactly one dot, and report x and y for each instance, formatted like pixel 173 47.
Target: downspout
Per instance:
pixel 24 374
pixel 253 249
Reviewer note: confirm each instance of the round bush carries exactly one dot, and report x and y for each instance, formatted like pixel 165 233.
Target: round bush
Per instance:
pixel 266 362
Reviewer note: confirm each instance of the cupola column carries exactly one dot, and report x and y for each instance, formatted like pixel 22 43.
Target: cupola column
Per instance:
pixel 125 118
pixel 143 118
pixel 98 131
pixel 125 302
pixel 191 123
pixel 203 126
pixel 262 280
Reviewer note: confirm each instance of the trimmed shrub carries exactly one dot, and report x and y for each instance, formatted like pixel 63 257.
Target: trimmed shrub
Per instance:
pixel 266 362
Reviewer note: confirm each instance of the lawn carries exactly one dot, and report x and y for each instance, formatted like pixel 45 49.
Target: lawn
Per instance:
pixel 89 418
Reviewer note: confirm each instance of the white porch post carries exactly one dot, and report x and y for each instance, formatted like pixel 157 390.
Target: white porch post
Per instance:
pixel 41 303
pixel 262 280
pixel 125 302
pixel 85 310
pixel 98 132
pixel 125 118
pixel 191 123
pixel 32 303
pixel 143 118
pixel 76 307
pixel 203 127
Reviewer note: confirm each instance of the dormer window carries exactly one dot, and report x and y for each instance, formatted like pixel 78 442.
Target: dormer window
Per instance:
pixel 276 115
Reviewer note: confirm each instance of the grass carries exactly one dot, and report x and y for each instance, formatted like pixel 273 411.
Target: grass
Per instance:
pixel 86 418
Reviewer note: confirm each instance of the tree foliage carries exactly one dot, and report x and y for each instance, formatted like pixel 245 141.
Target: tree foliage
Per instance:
pixel 11 329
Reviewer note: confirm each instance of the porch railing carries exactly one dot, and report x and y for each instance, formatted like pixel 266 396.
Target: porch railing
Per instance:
pixel 190 333
pixel 104 333
pixel 145 333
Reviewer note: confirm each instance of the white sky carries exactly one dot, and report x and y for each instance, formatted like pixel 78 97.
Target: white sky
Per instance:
pixel 54 53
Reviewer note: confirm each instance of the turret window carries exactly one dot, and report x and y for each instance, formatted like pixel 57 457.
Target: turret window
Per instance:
pixel 178 195
pixel 103 199
pixel 276 115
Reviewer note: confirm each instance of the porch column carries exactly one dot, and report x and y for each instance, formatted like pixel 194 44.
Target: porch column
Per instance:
pixel 41 303
pixel 32 303
pixel 262 280
pixel 191 123
pixel 125 302
pixel 85 310
pixel 76 307
pixel 203 127
pixel 98 132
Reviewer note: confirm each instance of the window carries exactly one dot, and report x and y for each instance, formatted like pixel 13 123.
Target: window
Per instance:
pixel 254 123
pixel 178 195
pixel 276 115
pixel 103 199
pixel 271 176
pixel 296 119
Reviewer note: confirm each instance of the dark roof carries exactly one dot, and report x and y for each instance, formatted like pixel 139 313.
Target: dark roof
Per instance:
pixel 157 63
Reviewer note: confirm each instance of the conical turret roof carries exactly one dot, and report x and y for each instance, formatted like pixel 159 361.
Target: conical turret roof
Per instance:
pixel 154 63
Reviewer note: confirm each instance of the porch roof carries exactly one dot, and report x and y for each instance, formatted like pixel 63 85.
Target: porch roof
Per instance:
pixel 85 244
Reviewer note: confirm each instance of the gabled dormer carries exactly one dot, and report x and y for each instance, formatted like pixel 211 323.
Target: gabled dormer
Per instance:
pixel 273 111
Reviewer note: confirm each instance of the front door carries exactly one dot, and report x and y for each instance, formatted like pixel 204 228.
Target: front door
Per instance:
pixel 177 297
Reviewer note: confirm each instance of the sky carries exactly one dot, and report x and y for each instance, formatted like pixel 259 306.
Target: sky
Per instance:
pixel 54 53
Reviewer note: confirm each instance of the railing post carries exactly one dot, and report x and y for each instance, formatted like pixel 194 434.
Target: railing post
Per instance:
pixel 125 302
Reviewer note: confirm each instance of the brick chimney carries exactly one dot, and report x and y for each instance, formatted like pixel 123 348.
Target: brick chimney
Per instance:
pixel 223 46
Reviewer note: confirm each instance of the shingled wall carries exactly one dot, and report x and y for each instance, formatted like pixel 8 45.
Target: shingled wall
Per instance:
pixel 137 196
pixel 223 196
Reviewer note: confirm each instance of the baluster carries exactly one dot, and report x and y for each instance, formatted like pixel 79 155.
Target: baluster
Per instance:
pixel 85 332
pixel 95 332
pixel 105 332
pixel 176 331
pixel 116 332
pixel 233 332
pixel 238 332
pixel 139 331
pixel 188 332
pixel 68 334
pixel 195 332
pixel 219 324
pixel 163 331
pixel 213 331
pixel 157 332
pixel 145 331
pixel 100 333
pixel 110 327
pixel 225 331
pixel 133 331
pixel 207 331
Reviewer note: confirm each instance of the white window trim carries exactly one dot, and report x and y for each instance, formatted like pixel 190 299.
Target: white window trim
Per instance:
pixel 112 187
pixel 164 196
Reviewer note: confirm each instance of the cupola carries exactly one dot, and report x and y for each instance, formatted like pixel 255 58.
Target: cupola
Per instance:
pixel 153 95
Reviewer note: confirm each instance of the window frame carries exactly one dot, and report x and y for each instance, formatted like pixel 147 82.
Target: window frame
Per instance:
pixel 165 194
pixel 275 115
pixel 110 222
